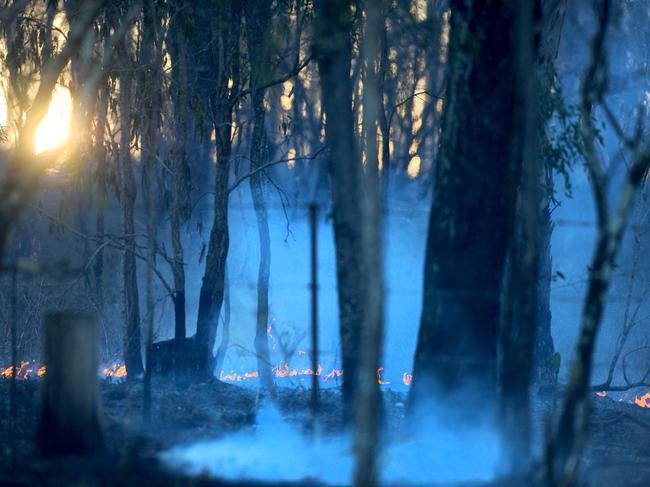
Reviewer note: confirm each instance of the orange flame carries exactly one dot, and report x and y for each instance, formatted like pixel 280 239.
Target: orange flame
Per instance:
pixel 407 379
pixel 332 374
pixel 117 370
pixel 643 401
pixel 379 380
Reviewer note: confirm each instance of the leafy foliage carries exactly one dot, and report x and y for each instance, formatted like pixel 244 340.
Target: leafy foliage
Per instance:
pixel 562 145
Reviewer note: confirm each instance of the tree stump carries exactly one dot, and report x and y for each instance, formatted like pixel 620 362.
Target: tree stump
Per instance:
pixel 70 410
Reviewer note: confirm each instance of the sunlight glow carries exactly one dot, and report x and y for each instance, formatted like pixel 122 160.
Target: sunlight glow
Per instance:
pixel 286 100
pixel 413 168
pixel 3 112
pixel 3 107
pixel 54 129
pixel 291 163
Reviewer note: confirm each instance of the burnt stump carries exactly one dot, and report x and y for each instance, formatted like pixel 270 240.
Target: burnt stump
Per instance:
pixel 71 405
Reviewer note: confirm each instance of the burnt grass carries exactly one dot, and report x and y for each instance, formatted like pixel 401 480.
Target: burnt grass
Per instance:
pixel 618 452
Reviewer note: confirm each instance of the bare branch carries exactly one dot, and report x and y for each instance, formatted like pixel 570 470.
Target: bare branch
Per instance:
pixel 242 178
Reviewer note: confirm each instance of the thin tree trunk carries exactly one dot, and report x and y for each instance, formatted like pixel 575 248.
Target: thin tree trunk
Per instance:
pixel 553 14
pixel 257 22
pixel 573 425
pixel 225 335
pixel 368 396
pixel 179 185
pixel 150 86
pixel 544 375
pixel 131 337
pixel 226 30
pixel 333 51
pixel 101 161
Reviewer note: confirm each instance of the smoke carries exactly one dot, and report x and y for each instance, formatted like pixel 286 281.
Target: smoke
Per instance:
pixel 429 449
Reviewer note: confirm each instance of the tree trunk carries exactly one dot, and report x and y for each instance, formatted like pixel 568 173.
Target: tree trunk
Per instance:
pixel 258 16
pixel 544 374
pixel 225 29
pixel 333 51
pixel 472 212
pixel 131 337
pixel 70 409
pixel 150 85
pixel 553 12
pixel 519 313
pixel 225 335
pixel 177 42
pixel 368 397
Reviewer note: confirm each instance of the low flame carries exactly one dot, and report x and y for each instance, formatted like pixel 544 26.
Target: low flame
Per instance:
pixel 379 379
pixel 27 368
pixel 23 372
pixel 643 401
pixel 116 370
pixel 285 371
pixel 640 401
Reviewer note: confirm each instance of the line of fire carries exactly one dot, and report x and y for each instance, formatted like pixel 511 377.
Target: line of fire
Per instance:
pixel 325 243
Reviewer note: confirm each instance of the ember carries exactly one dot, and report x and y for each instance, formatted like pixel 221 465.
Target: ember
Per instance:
pixel 23 372
pixel 27 368
pixel 643 401
pixel 116 371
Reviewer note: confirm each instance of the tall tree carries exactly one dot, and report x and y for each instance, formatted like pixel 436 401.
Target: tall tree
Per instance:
pixel 569 438
pixel 519 312
pixel 526 345
pixel 471 218
pixel 368 396
pixel 128 193
pixel 180 94
pixel 333 50
pixel 225 28
pixel 258 22
pixel 150 92
pixel 553 14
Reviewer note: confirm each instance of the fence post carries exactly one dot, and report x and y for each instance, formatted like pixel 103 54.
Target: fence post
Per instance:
pixel 313 237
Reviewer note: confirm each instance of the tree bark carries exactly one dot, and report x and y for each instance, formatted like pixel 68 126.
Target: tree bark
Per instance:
pixel 368 397
pixel 179 185
pixel 544 374
pixel 70 410
pixel 258 15
pixel 519 312
pixel 472 212
pixel 225 335
pixel 553 13
pixel 150 87
pixel 333 52
pixel 225 31
pixel 128 193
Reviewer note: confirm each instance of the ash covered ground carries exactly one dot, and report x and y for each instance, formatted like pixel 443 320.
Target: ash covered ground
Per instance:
pixel 196 413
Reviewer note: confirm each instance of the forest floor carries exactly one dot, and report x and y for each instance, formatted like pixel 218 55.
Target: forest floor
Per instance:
pixel 618 453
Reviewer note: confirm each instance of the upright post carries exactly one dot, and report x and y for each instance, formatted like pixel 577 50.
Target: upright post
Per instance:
pixel 313 237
